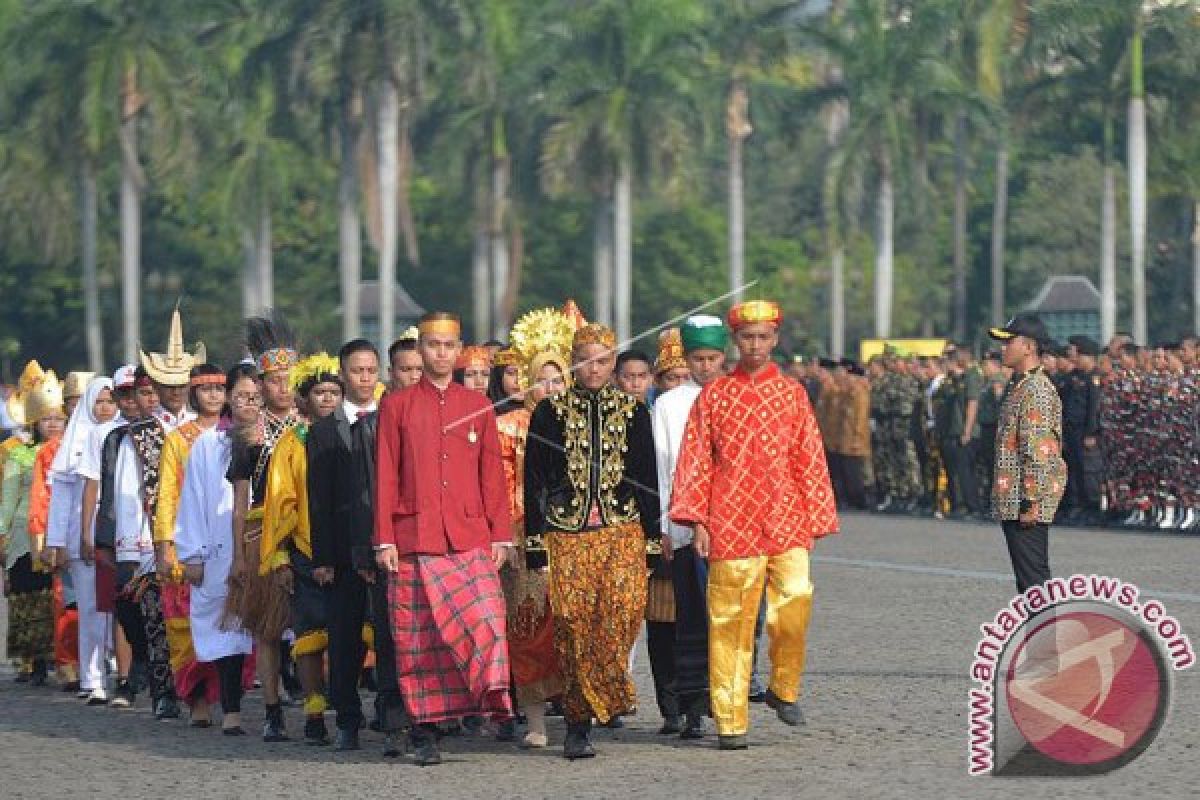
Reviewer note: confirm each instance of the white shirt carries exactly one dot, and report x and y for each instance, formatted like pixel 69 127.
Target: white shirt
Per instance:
pixel 133 540
pixel 352 411
pixel 172 421
pixel 671 412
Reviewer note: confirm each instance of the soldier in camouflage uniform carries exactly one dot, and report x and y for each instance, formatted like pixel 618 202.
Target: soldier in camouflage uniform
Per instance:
pixel 894 396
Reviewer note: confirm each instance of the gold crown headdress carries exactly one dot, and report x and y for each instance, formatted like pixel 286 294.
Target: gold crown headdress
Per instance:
pixel 38 393
pixel 174 367
pixel 541 331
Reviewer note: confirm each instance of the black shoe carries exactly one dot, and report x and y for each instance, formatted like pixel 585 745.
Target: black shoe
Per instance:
pixel 375 725
pixel 23 677
pixel 671 725
pixel 758 696
pixel 555 709
pixel 615 723
pixel 788 713
pixel 472 726
pixel 693 728
pixel 166 707
pixel 392 746
pixel 315 732
pixel 233 730
pixel 273 727
pixel 424 745
pixel 735 742
pixel 579 741
pixel 347 739
pixel 124 696
pixel 507 731
pixel 70 686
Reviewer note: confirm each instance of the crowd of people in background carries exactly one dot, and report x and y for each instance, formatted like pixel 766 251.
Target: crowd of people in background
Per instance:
pixel 916 435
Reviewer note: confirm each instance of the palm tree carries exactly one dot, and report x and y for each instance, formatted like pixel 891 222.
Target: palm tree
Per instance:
pixel 885 62
pixel 623 85
pixel 51 155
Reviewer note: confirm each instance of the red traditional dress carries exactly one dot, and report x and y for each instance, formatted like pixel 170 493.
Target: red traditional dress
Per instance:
pixel 441 502
pixel 66 616
pixel 752 470
pixel 530 623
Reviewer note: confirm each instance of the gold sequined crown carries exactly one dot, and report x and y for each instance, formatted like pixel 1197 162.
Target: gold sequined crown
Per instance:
pixel 541 331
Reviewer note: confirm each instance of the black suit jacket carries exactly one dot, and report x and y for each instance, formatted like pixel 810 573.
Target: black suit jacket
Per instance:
pixel 105 530
pixel 332 490
pixel 362 437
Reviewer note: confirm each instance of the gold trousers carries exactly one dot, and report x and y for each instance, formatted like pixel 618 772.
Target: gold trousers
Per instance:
pixel 735 589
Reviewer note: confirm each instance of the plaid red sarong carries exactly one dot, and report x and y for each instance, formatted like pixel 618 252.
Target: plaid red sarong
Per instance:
pixel 447 614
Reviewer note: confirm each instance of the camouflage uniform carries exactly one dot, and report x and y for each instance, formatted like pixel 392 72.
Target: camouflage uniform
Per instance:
pixel 893 398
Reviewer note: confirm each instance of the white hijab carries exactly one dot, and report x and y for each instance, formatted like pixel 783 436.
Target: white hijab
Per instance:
pixel 82 421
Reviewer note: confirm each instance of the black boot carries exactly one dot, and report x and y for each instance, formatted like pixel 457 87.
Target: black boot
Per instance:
pixel 579 741
pixel 273 727
pixel 347 739
pixel 424 744
pixel 166 707
pixel 315 732
pixel 38 676
pixel 693 727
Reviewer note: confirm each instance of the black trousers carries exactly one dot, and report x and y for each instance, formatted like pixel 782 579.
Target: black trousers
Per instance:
pixel 389 703
pixel 348 602
pixel 846 475
pixel 689 574
pixel 660 642
pixel 229 674
pixel 960 470
pixel 1029 550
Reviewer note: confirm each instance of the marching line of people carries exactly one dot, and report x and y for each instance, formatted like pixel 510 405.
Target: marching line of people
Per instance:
pixel 478 541
pixel 917 434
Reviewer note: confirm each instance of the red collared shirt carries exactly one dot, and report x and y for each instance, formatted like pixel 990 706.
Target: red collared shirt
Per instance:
pixel 439 475
pixel 752 467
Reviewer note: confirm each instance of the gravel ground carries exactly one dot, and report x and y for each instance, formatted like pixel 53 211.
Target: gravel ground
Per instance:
pixel 898 606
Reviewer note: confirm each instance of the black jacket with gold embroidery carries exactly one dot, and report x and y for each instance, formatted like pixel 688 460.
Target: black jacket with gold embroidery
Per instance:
pixel 589 448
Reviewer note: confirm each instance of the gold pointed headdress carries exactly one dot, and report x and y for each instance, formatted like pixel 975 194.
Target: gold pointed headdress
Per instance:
pixel 541 331
pixel 38 393
pixel 75 383
pixel 174 367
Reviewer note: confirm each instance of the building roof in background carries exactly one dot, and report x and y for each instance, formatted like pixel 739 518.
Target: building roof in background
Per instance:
pixel 368 302
pixel 1066 293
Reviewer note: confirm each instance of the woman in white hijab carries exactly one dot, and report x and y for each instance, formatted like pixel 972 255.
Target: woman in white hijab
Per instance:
pixel 93 418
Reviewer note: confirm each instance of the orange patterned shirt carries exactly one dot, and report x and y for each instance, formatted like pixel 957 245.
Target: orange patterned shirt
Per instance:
pixel 752 468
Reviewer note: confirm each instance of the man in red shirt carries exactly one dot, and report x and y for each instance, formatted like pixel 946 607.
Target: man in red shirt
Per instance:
pixel 753 483
pixel 442 528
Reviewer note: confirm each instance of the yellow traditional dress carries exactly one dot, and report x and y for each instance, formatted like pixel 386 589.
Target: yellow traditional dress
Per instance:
pixel 191 676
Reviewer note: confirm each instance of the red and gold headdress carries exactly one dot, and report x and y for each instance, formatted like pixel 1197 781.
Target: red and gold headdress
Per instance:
pixel 508 357
pixel 474 356
pixel 754 311
pixel 670 352
pixel 594 333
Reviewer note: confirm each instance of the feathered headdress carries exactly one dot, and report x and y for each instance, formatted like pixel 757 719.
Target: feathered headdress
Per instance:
pixel 271 343
pixel 317 368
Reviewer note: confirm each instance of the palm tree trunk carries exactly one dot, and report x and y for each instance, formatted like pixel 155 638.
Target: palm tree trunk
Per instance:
pixel 408 222
pixel 959 326
pixel 250 283
pixel 623 242
pixel 498 243
pixel 1137 190
pixel 480 283
pixel 737 128
pixel 265 257
pixel 516 261
pixel 1196 267
pixel 389 176
pixel 999 231
pixel 837 302
pixel 1108 241
pixel 602 261
pixel 349 230
pixel 884 248
pixel 91 292
pixel 131 227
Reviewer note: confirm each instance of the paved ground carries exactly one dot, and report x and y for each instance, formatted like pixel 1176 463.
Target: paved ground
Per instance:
pixel 899 602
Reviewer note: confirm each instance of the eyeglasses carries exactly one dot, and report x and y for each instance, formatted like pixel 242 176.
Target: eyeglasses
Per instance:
pixel 247 400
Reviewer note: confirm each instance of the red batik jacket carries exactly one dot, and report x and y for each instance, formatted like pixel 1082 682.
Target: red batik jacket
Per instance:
pixel 752 468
